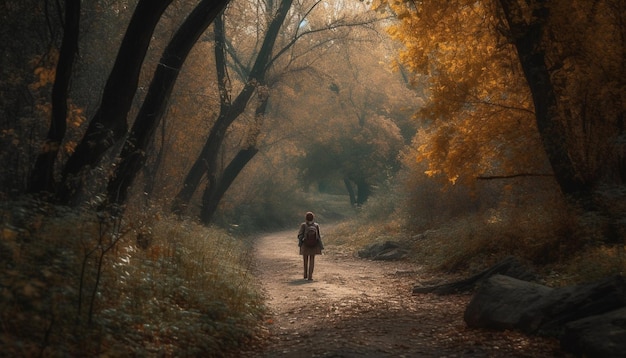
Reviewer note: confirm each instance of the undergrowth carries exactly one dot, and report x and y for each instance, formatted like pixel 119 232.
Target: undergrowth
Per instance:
pixel 561 245
pixel 85 284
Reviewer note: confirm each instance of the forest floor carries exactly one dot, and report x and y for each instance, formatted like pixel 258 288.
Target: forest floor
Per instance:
pixel 362 308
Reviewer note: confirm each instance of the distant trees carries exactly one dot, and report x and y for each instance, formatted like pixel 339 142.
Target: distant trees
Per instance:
pixel 359 136
pixel 287 40
pixel 362 156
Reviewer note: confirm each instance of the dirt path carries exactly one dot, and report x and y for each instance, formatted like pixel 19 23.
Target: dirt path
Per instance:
pixel 360 308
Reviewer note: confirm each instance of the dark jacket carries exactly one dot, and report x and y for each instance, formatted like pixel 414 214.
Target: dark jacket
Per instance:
pixel 306 250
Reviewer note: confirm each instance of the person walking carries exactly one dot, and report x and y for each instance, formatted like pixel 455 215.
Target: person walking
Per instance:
pixel 310 243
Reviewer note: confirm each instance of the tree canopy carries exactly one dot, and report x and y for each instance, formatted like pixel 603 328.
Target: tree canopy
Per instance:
pixel 502 76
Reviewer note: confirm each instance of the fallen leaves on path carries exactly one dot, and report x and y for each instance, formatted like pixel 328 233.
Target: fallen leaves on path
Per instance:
pixel 359 308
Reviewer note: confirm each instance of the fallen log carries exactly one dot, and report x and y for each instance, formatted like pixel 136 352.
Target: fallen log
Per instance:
pixel 510 266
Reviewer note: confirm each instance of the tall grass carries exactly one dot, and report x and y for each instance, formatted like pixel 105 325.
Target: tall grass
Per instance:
pixel 182 290
pixel 562 244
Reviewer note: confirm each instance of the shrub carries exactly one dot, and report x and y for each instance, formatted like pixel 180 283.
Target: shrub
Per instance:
pixel 83 284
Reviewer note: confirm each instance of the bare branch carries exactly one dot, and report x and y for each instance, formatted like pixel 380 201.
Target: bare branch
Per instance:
pixel 491 177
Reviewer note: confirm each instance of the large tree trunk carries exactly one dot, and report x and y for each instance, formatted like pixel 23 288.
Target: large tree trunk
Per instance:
pixel 133 155
pixel 42 176
pixel 229 111
pixel 109 125
pixel 527 36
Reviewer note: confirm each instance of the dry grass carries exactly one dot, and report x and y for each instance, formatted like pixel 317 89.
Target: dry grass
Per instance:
pixel 77 284
pixel 551 239
pixel 563 246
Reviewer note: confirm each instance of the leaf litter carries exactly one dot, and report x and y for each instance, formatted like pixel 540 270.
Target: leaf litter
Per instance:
pixel 361 308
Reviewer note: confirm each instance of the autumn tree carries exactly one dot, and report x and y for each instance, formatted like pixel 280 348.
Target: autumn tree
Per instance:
pixel 257 66
pixel 325 99
pixel 476 120
pixel 133 154
pixel 207 161
pixel 358 139
pixel 504 75
pixel 42 178
pixel 109 123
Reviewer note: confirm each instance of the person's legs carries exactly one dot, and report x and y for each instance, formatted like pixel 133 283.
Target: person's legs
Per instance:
pixel 311 266
pixel 306 260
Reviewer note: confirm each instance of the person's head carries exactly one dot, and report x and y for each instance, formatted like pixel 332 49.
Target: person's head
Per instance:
pixel 309 217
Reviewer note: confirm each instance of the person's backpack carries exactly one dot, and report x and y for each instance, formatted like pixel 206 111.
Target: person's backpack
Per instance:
pixel 310 235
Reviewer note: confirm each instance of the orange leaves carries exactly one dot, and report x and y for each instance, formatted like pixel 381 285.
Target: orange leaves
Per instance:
pixel 478 115
pixel 45 69
pixel 45 76
pixel 75 116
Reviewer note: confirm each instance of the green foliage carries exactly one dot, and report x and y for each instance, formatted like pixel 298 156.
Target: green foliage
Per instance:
pixel 165 287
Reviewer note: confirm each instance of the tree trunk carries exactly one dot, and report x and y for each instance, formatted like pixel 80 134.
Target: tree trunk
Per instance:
pixel 109 124
pixel 201 166
pixel 363 191
pixel 527 38
pixel 350 190
pixel 229 111
pixel 42 176
pixel 215 190
pixel 133 155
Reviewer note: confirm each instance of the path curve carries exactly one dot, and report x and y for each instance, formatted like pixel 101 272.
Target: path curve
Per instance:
pixel 361 308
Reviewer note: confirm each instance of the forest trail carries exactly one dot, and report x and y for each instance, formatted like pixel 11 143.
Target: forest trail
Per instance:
pixel 361 308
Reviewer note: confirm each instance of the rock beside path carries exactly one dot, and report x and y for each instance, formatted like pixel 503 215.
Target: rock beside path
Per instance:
pixel 589 319
pixel 385 251
pixel 501 302
pixel 510 266
pixel 597 336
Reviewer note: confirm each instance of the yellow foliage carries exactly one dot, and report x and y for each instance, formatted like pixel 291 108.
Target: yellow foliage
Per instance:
pixel 461 49
pixel 478 117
